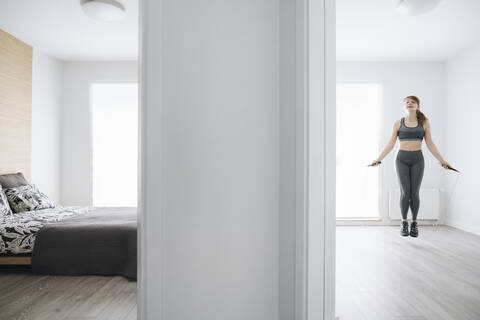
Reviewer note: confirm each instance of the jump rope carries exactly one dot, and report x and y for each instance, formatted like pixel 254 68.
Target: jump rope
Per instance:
pixel 435 223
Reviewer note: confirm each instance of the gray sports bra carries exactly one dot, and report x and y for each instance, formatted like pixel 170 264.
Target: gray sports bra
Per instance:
pixel 410 133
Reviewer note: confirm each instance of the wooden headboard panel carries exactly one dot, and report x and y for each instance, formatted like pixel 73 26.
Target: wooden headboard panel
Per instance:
pixel 15 105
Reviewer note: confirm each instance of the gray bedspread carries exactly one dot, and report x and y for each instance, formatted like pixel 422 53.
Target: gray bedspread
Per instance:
pixel 100 242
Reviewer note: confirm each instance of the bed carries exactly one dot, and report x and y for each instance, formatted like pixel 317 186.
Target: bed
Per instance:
pixel 71 240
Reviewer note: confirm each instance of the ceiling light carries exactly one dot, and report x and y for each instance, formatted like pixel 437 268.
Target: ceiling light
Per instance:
pixel 104 10
pixel 416 7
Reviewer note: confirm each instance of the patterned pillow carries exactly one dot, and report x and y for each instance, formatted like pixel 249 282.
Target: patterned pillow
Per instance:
pixel 27 198
pixel 4 206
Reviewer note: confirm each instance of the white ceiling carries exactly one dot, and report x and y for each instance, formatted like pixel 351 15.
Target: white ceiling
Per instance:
pixel 366 30
pixel 372 30
pixel 61 29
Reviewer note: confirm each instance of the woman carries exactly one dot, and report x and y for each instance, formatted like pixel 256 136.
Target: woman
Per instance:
pixel 409 163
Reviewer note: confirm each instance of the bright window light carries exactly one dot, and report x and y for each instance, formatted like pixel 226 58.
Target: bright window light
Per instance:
pixel 114 108
pixel 358 123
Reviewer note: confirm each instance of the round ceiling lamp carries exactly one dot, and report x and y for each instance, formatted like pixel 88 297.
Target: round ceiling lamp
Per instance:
pixel 104 10
pixel 416 7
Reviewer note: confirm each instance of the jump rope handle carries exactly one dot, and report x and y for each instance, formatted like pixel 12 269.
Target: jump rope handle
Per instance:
pixel 371 165
pixel 448 167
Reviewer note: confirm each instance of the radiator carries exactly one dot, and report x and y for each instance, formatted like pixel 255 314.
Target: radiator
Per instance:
pixel 429 204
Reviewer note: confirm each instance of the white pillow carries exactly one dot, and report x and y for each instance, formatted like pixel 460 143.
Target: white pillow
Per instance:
pixel 4 206
pixel 27 198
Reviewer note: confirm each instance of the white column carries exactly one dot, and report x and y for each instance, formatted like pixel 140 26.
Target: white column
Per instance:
pixel 210 160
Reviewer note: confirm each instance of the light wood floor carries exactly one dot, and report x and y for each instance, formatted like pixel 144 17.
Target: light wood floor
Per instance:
pixel 24 296
pixel 381 275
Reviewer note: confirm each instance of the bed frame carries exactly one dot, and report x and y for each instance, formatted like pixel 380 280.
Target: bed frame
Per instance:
pixel 25 260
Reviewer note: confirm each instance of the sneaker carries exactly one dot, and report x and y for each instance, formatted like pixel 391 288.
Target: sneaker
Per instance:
pixel 404 229
pixel 413 229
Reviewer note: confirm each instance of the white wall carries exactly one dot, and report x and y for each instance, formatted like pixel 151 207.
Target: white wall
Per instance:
pixel 47 76
pixel 287 181
pixel 76 142
pixel 400 79
pixel 462 113
pixel 210 142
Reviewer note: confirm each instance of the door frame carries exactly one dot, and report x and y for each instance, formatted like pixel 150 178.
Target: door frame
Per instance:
pixel 315 160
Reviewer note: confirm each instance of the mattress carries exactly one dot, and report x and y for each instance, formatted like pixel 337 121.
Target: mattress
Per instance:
pixel 18 231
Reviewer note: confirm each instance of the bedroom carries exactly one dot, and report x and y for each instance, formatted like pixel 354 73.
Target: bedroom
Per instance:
pixel 68 160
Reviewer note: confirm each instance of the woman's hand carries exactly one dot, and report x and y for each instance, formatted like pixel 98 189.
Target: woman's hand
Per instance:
pixel 445 164
pixel 375 163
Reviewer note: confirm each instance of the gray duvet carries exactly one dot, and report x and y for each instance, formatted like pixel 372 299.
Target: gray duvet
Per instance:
pixel 100 242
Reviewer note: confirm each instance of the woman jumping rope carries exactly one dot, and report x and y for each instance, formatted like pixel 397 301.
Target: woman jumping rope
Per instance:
pixel 410 163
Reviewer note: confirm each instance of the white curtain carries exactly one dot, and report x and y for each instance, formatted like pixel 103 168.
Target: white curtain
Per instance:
pixel 358 122
pixel 114 110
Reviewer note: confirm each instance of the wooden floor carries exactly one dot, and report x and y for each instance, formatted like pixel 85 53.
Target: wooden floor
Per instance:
pixel 381 275
pixel 24 296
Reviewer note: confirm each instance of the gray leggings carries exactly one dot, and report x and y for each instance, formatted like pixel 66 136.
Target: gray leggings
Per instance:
pixel 409 166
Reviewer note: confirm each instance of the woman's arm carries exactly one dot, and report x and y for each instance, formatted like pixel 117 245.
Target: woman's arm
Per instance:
pixel 391 142
pixel 430 145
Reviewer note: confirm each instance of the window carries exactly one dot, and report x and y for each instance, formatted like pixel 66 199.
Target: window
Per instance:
pixel 358 123
pixel 115 134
